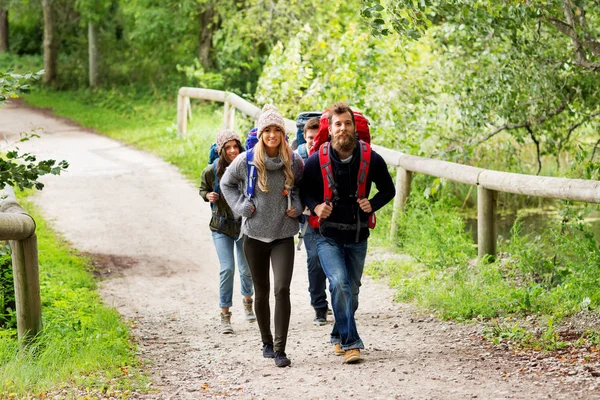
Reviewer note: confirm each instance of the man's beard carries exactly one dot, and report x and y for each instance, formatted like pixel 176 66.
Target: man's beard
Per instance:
pixel 345 144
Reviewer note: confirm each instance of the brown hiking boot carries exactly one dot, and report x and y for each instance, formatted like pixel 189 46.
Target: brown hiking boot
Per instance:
pixel 352 356
pixel 250 317
pixel 226 323
pixel 337 349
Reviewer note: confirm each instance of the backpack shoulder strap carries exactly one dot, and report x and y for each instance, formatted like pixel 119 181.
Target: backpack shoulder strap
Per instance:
pixel 216 187
pixel 252 173
pixel 363 169
pixel 326 172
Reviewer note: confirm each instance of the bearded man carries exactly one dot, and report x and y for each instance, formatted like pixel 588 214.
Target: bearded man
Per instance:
pixel 344 227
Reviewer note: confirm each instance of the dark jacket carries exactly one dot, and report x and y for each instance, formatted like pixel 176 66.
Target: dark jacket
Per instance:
pixel 222 220
pixel 345 208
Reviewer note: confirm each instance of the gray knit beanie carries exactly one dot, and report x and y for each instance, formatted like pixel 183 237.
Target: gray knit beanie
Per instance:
pixel 270 116
pixel 225 136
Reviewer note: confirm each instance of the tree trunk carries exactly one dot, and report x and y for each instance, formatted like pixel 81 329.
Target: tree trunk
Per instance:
pixel 93 53
pixel 50 44
pixel 3 27
pixel 208 24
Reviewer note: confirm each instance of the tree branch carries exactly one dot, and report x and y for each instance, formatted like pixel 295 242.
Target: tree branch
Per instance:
pixel 580 44
pixel 537 147
pixel 595 148
pixel 572 128
pixel 527 124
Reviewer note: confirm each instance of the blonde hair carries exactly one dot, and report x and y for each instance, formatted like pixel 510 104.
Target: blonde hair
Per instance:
pixel 285 154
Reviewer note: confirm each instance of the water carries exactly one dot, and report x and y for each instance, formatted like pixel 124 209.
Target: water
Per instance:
pixel 531 224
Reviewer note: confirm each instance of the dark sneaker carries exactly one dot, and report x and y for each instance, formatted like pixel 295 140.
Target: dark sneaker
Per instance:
pixel 281 359
pixel 268 351
pixel 320 316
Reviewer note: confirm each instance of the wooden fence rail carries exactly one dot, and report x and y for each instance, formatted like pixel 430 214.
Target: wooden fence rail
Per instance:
pixel 19 229
pixel 488 182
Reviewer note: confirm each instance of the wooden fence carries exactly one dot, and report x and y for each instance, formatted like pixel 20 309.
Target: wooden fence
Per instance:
pixel 488 182
pixel 19 229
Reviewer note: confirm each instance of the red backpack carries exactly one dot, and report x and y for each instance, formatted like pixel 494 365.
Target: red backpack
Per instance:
pixel 362 129
pixel 324 148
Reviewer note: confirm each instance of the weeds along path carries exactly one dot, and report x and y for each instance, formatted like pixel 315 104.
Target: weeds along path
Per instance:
pixel 146 228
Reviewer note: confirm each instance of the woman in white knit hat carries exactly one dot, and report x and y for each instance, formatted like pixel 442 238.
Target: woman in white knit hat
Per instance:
pixel 225 229
pixel 270 221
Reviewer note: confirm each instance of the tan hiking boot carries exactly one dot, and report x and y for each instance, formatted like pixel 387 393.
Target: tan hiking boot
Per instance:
pixel 226 323
pixel 250 317
pixel 352 356
pixel 337 349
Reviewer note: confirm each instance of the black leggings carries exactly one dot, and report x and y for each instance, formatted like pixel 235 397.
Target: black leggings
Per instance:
pixel 260 255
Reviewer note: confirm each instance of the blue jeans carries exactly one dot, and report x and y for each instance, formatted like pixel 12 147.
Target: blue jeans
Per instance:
pixel 317 281
pixel 224 246
pixel 343 264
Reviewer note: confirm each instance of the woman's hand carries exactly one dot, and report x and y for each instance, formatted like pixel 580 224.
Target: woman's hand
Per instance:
pixel 290 212
pixel 212 197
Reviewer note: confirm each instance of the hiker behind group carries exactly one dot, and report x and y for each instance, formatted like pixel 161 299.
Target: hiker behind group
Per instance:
pixel 317 281
pixel 342 244
pixel 270 207
pixel 225 229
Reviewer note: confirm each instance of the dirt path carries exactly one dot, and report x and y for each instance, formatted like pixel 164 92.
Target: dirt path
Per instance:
pixel 147 228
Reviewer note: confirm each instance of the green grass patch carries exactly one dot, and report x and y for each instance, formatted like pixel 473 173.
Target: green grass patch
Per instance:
pixel 84 345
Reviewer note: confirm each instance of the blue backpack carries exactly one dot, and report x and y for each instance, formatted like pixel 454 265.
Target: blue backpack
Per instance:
pixel 212 153
pixel 253 173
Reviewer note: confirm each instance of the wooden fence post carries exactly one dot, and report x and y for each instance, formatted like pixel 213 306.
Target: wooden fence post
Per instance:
pixel 181 116
pixel 226 117
pixel 403 182
pixel 486 222
pixel 27 287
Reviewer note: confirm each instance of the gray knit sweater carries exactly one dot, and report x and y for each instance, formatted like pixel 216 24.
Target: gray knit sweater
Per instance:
pixel 269 220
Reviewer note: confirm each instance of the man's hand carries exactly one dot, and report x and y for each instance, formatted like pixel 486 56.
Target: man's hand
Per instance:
pixel 290 212
pixel 323 210
pixel 365 205
pixel 212 197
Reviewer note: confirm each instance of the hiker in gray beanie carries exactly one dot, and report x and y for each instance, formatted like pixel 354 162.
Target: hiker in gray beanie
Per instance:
pixel 270 211
pixel 225 229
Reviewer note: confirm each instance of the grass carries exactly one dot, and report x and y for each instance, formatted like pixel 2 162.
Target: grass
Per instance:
pixel 84 346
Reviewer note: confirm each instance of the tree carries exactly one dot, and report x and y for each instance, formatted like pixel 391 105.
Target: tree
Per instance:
pixel 50 41
pixel 528 68
pixel 92 13
pixel 3 26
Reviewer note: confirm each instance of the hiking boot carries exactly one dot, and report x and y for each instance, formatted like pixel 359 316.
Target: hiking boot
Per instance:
pixel 226 323
pixel 268 351
pixel 320 316
pixel 250 317
pixel 352 356
pixel 337 349
pixel 281 359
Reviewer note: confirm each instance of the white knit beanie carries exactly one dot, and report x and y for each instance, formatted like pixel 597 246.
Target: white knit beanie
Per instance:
pixel 225 136
pixel 270 116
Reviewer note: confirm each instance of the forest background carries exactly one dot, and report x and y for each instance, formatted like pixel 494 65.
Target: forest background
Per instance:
pixel 510 86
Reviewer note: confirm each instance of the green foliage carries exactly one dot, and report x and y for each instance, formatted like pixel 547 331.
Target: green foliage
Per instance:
pixel 7 290
pixel 13 84
pixel 83 344
pixel 16 169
